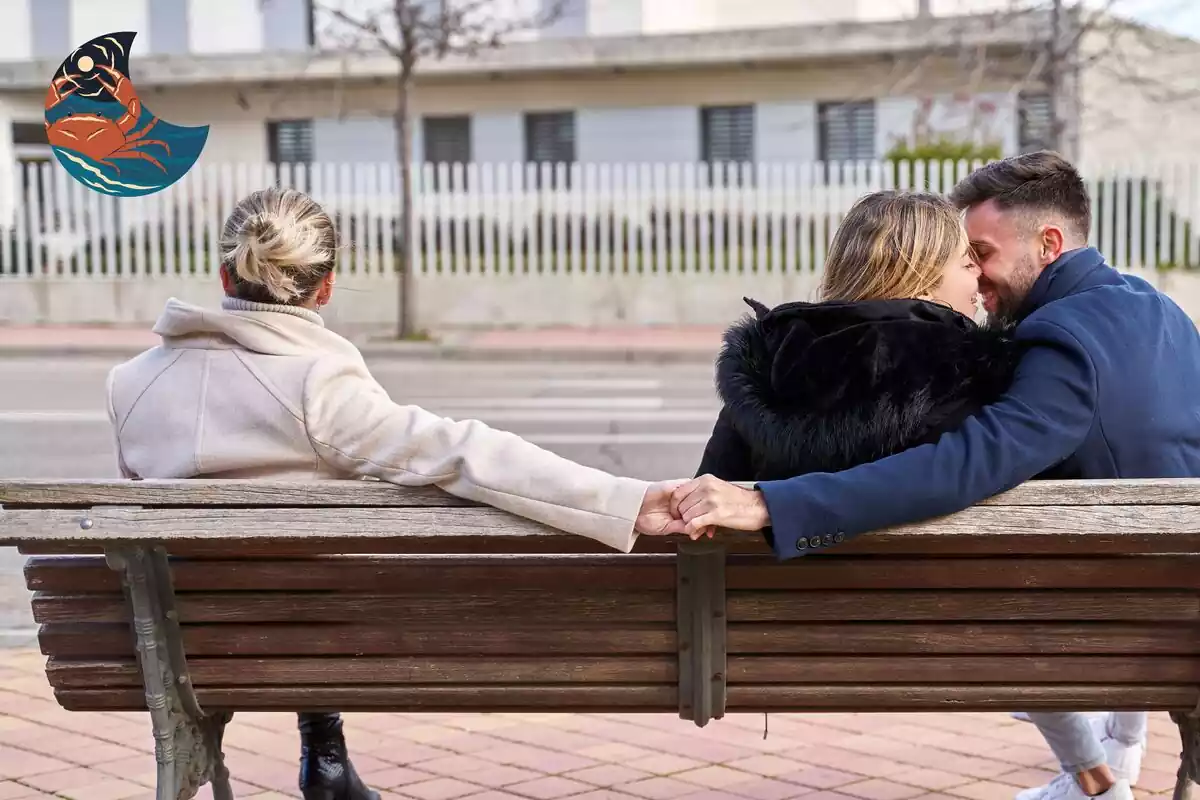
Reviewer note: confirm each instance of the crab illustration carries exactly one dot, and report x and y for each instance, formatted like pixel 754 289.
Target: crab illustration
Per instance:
pixel 98 137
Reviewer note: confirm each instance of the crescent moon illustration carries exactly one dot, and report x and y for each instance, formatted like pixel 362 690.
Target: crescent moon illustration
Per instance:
pixel 103 134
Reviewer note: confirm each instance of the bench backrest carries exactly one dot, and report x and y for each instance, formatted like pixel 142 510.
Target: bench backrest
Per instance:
pixel 359 595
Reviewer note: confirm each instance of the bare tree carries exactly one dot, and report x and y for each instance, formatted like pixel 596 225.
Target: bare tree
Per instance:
pixel 411 31
pixel 1093 39
pixel 1067 43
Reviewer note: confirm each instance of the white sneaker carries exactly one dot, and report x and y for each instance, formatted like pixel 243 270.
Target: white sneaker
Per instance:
pixel 1064 787
pixel 1093 716
pixel 1125 760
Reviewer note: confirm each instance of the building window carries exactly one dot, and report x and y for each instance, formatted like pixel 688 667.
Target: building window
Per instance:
pixel 447 141
pixel 290 141
pixel 846 131
pixel 550 139
pixel 1035 122
pixel 727 134
pixel 29 133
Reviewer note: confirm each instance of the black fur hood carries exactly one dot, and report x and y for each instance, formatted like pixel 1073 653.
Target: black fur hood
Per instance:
pixel 820 387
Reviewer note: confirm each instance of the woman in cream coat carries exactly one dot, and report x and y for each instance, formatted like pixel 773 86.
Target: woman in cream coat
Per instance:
pixel 262 389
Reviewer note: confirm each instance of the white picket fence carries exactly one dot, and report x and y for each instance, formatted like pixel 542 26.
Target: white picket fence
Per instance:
pixel 531 219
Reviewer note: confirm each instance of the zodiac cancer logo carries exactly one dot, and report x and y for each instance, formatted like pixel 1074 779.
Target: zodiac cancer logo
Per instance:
pixel 101 132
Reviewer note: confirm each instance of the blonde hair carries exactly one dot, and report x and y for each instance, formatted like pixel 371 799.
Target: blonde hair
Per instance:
pixel 277 246
pixel 892 245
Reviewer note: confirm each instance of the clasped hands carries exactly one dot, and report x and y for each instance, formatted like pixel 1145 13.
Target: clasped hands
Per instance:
pixel 699 506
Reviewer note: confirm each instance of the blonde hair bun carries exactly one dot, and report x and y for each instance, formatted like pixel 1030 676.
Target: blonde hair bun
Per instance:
pixel 280 240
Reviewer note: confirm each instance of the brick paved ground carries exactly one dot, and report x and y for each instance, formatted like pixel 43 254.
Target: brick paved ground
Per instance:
pixel 46 752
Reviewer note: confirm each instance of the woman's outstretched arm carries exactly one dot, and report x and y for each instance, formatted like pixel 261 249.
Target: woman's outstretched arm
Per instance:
pixel 357 428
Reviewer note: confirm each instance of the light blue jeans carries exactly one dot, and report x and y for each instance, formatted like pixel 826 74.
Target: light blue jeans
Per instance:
pixel 1074 741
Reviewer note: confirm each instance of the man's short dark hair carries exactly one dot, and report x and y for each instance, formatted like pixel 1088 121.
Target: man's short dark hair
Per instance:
pixel 1035 182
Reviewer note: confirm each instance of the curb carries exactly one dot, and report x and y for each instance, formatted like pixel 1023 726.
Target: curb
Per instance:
pixel 71 350
pixel 452 352
pixel 416 352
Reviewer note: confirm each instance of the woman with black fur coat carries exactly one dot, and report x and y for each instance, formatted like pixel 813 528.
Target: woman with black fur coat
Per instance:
pixel 889 359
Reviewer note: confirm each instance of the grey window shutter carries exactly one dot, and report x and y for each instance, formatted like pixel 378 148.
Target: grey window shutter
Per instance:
pixel 447 140
pixel 30 133
pixel 847 131
pixel 550 137
pixel 1035 122
pixel 728 134
pixel 290 141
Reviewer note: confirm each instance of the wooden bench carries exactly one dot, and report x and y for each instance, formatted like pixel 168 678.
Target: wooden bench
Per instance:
pixel 198 599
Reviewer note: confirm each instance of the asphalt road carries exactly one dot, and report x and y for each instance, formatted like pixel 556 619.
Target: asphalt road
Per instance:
pixel 645 421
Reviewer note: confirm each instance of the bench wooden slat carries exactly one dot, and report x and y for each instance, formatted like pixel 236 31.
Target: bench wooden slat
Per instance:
pixel 100 640
pixel 806 699
pixel 369 574
pixel 965 604
pixel 368 671
pixel 656 698
pixel 653 698
pixel 1092 638
pixel 960 669
pixel 18 525
pixel 879 543
pixel 372 574
pixel 799 669
pixel 530 607
pixel 1154 491
pixel 228 493
pixel 81 640
pixel 428 545
pixel 831 573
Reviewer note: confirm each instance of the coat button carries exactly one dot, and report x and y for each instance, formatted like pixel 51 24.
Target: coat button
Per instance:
pixel 802 544
pixel 814 541
pixel 840 537
pixel 828 539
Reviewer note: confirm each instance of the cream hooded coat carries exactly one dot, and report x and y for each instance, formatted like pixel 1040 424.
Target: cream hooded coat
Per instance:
pixel 257 391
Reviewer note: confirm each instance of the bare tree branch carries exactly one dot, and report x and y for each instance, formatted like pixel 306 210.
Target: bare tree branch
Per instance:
pixel 410 31
pixel 368 26
pixel 1084 40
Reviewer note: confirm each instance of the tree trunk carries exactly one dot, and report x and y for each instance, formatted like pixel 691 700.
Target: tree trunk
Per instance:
pixel 1054 79
pixel 406 326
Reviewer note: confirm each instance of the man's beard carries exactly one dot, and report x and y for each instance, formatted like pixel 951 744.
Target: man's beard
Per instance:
pixel 1010 298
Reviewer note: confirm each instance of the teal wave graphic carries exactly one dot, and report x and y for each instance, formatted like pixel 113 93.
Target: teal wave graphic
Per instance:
pixel 125 173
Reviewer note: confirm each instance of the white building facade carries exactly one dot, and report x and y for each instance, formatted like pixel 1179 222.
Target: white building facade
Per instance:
pixel 596 117
pixel 624 100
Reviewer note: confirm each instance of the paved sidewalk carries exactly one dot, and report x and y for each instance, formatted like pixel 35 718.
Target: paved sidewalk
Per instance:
pixel 697 343
pixel 46 752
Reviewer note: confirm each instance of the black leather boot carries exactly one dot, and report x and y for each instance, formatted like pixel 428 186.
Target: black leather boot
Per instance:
pixel 325 769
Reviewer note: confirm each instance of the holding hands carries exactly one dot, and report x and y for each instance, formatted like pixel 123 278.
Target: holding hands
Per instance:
pixel 699 506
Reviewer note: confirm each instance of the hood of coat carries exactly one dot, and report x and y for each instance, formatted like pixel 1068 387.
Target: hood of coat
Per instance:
pixel 820 387
pixel 258 327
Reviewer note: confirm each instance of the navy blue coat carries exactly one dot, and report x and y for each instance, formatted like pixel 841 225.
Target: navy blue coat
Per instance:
pixel 1108 386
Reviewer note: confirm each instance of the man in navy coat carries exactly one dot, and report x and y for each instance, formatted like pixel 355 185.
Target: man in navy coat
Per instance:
pixel 1108 388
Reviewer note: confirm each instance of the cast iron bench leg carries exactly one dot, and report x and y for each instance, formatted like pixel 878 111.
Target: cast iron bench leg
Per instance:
pixel 1189 761
pixel 187 742
pixel 700 600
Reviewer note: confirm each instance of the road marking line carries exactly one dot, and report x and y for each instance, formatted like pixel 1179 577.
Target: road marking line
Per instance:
pixel 491 416
pixel 643 403
pixel 616 438
pixel 53 416
pixel 660 416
